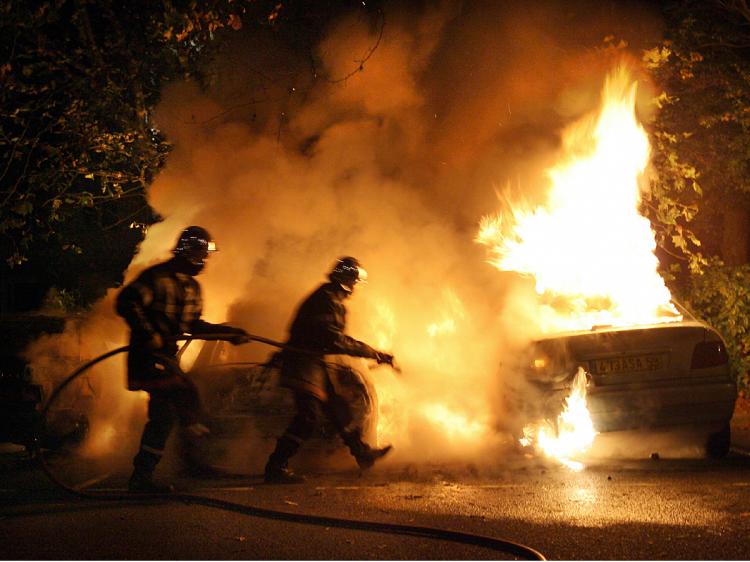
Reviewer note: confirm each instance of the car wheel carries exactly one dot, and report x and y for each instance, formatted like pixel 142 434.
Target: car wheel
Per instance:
pixel 717 444
pixel 356 399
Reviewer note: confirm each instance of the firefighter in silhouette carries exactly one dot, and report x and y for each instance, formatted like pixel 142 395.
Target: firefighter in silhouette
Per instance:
pixel 318 327
pixel 162 303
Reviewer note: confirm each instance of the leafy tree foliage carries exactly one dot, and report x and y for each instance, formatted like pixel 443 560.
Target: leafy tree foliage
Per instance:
pixel 722 295
pixel 77 149
pixel 701 135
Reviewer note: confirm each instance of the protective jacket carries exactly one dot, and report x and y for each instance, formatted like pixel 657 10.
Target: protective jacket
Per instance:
pixel 319 327
pixel 161 300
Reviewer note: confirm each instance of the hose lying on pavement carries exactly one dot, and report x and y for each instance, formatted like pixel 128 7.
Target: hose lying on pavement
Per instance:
pixel 497 544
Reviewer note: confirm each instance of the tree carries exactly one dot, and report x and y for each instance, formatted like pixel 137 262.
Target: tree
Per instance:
pixel 78 149
pixel 80 79
pixel 700 197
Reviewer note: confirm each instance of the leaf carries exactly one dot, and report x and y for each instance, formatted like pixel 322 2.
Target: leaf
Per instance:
pixel 23 208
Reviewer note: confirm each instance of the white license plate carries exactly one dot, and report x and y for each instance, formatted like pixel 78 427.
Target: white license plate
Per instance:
pixel 629 364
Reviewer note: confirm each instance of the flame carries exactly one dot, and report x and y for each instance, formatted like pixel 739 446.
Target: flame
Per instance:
pixel 588 249
pixel 435 361
pixel 453 424
pixel 445 326
pixel 452 310
pixel 383 328
pixel 383 325
pixel 573 432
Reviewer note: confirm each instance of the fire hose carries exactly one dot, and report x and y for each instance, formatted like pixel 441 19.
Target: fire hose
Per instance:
pixel 501 545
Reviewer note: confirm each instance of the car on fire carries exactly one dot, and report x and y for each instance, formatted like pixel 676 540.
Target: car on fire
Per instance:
pixel 670 375
pixel 244 400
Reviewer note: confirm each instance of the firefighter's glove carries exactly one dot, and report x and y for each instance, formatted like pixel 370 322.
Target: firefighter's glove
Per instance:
pixel 238 336
pixel 382 358
pixel 155 342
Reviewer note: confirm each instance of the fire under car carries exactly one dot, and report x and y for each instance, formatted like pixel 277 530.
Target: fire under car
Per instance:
pixel 672 375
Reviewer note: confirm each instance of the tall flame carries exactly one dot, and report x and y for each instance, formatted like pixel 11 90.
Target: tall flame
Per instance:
pixel 588 246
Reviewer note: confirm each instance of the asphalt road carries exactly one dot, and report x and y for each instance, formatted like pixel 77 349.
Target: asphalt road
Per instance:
pixel 639 509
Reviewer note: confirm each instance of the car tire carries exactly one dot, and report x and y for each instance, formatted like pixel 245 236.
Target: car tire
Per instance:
pixel 718 444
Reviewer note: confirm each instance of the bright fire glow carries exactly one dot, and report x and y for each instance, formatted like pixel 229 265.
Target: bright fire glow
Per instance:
pixel 440 410
pixel 100 440
pixel 451 310
pixel 587 247
pixel 573 432
pixel 453 424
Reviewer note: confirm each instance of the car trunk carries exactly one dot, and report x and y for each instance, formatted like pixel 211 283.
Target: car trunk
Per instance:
pixel 651 376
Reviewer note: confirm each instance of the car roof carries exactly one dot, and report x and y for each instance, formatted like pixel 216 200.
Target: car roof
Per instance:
pixel 687 320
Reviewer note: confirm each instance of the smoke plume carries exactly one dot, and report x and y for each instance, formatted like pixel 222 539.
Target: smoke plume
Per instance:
pixel 290 168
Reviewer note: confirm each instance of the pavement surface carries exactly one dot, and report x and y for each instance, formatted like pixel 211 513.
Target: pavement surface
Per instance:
pixel 676 509
pixel 658 508
pixel 741 423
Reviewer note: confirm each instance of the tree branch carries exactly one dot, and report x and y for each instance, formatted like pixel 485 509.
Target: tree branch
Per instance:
pixel 125 219
pixel 739 7
pixel 370 52
pixel 88 32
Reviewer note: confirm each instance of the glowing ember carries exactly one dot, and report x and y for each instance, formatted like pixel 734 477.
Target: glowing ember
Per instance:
pixel 572 434
pixel 588 249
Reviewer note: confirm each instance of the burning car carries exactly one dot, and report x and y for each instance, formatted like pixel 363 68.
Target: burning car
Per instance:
pixel 670 374
pixel 611 349
pixel 245 401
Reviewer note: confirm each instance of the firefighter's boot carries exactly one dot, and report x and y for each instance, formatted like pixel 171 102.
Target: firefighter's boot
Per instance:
pixel 362 452
pixel 142 479
pixel 277 471
pixel 143 483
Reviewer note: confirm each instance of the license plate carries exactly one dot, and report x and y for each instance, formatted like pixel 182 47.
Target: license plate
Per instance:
pixel 629 364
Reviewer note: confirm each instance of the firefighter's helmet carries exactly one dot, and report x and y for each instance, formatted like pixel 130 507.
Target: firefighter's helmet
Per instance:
pixel 194 245
pixel 348 272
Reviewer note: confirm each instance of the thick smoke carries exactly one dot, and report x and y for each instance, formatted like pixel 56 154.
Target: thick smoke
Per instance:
pixel 290 168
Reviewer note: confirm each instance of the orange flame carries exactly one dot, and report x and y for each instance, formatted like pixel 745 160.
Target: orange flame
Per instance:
pixel 588 246
pixel 402 401
pixel 573 432
pixel 454 425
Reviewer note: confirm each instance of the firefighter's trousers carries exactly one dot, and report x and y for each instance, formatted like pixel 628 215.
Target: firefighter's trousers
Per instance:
pixel 172 397
pixel 311 411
